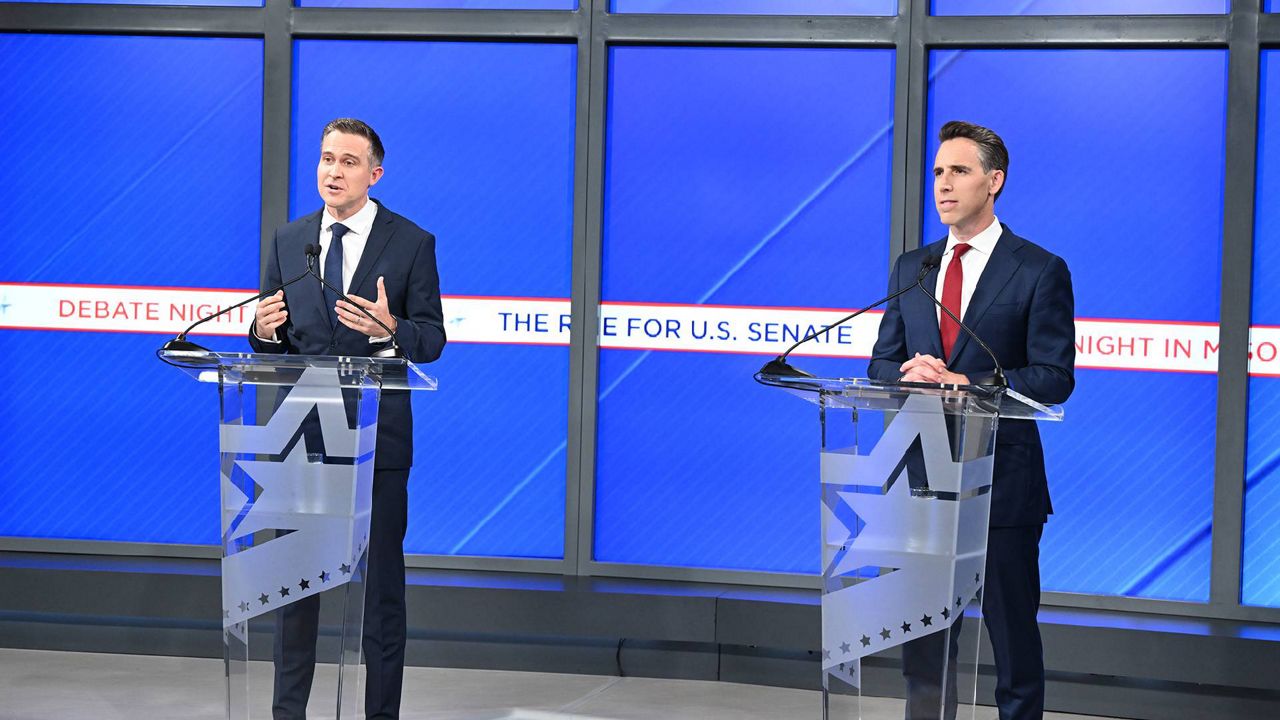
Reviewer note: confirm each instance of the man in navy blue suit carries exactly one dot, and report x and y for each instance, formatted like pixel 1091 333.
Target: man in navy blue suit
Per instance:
pixel 1017 297
pixel 387 265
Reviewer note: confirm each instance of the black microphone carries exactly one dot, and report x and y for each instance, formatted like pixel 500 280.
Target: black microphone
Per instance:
pixel 779 365
pixel 995 380
pixel 395 351
pixel 181 344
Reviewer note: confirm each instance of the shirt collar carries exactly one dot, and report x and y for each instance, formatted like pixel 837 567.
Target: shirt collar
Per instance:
pixel 984 242
pixel 359 224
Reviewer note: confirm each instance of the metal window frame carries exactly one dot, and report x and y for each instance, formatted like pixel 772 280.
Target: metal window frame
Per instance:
pixel 912 33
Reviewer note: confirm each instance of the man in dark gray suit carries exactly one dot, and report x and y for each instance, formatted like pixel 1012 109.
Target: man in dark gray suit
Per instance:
pixel 387 265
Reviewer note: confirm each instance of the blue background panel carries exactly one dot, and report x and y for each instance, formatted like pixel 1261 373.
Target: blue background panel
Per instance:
pixel 148 151
pixel 700 466
pixel 1261 566
pixel 757 7
pixel 1082 7
pixel 1133 459
pixel 204 3
pixel 1089 175
pixel 143 162
pixel 458 4
pixel 123 449
pixel 747 170
pixel 1260 584
pixel 489 453
pixel 733 177
pixel 480 152
pixel 1090 179
pixel 1266 241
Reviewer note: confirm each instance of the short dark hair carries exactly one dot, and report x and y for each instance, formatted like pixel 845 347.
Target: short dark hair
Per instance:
pixel 991 150
pixel 352 126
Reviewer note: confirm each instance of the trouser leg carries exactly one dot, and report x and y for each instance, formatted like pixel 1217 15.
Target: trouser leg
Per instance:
pixel 385 615
pixel 297 626
pixel 1011 602
pixel 929 667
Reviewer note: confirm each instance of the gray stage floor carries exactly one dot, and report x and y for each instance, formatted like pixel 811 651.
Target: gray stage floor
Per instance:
pixel 42 685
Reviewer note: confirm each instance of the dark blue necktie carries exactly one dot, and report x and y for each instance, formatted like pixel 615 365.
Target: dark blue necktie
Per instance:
pixel 333 270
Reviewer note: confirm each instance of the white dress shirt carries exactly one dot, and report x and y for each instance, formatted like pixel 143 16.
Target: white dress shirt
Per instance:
pixel 358 228
pixel 973 262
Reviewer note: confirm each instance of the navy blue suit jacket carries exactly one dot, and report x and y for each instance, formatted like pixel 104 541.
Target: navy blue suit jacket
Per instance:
pixel 1023 307
pixel 405 256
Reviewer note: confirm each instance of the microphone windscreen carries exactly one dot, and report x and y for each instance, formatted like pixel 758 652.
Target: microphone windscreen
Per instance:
pixel 312 249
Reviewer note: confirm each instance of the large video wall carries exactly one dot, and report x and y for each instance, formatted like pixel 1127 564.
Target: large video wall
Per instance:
pixel 745 192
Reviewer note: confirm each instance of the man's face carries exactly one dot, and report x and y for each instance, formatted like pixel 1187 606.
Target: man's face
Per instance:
pixel 963 194
pixel 344 174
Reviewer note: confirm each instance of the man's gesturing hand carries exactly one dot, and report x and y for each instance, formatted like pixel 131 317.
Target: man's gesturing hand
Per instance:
pixel 350 316
pixel 269 316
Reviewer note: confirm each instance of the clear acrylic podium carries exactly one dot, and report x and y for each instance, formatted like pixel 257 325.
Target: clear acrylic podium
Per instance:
pixel 296 443
pixel 906 480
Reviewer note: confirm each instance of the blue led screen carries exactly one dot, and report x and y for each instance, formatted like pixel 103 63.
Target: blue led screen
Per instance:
pixel 1081 7
pixel 1260 582
pixel 757 7
pixel 738 177
pixel 479 152
pixel 456 4
pixel 141 167
pixel 205 3
pixel 1089 180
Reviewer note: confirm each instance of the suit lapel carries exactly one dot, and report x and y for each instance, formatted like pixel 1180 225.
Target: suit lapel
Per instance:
pixel 307 293
pixel 379 235
pixel 1000 269
pixel 924 312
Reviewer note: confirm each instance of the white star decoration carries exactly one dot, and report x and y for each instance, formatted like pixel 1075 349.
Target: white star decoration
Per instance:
pixel 928 550
pixel 311 516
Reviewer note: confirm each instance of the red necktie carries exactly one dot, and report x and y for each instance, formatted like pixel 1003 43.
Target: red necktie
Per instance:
pixel 951 290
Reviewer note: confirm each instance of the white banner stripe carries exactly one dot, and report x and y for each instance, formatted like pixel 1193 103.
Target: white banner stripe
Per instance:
pixel 122 309
pixel 1160 346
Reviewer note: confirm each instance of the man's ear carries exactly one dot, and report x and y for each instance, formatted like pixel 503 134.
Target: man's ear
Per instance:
pixel 375 175
pixel 997 181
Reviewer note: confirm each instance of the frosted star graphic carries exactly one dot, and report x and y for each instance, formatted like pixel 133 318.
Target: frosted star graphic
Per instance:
pixel 895 549
pixel 279 492
pixel 282 511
